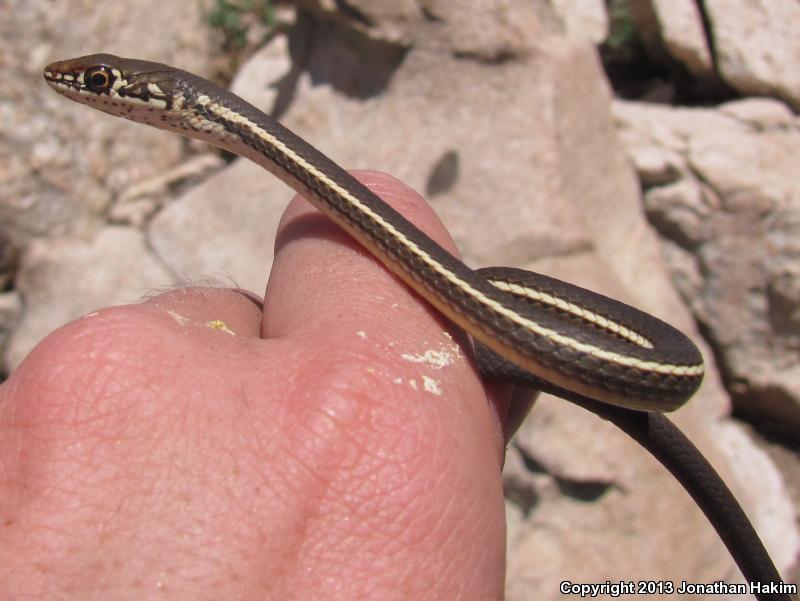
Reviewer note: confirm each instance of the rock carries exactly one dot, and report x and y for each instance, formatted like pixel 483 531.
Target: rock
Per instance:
pixel 62 279
pixel 489 31
pixel 223 228
pixel 10 311
pixel 140 201
pixel 674 28
pixel 754 172
pixel 681 211
pixel 747 44
pixel 657 166
pixel 775 509
pixel 393 21
pixel 493 30
pixel 736 210
pixel 761 112
pixel 584 19
pixel 754 42
pixel 62 170
pixel 547 442
pixel 267 77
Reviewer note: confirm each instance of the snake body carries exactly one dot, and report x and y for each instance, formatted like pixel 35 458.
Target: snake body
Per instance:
pixel 612 359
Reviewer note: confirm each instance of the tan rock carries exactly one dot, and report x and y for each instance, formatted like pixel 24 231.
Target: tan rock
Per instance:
pixel 223 228
pixel 488 30
pixel 761 112
pixel 774 510
pixel 735 208
pixel 10 312
pixel 674 28
pixel 113 267
pixel 387 20
pixel 584 19
pixel 681 211
pixel 62 170
pixel 656 166
pixel 755 42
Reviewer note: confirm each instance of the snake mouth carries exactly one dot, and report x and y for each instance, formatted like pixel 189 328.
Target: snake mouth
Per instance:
pixel 99 81
pixel 62 79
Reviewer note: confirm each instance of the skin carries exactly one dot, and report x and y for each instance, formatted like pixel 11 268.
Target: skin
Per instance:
pixel 285 455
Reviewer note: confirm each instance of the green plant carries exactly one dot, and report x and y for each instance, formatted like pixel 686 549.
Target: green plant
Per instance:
pixel 235 17
pixel 622 34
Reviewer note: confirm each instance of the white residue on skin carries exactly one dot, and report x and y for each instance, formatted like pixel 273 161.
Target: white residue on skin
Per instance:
pixel 434 359
pixel 361 334
pixel 431 385
pixel 428 385
pixel 181 319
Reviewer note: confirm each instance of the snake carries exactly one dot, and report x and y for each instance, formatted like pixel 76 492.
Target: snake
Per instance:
pixel 529 329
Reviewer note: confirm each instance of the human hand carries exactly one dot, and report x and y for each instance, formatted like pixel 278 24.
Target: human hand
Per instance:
pixel 337 444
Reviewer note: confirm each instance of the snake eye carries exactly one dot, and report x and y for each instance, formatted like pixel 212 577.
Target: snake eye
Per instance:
pixel 98 79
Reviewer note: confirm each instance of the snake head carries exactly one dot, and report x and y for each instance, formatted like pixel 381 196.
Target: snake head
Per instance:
pixel 147 92
pixel 120 86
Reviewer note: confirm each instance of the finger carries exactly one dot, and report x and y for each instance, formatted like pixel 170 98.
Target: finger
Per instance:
pixel 318 267
pixel 325 287
pixel 233 310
